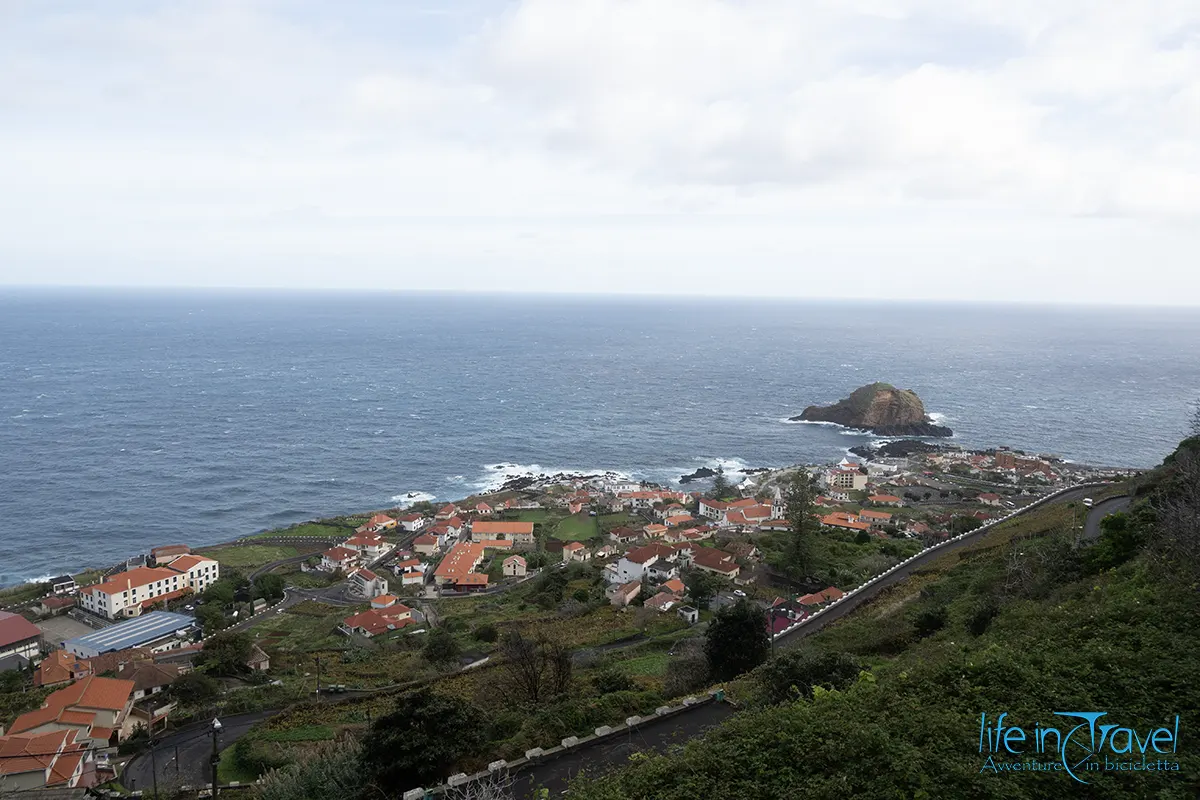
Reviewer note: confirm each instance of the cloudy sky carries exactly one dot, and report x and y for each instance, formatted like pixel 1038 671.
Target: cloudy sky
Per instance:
pixel 940 149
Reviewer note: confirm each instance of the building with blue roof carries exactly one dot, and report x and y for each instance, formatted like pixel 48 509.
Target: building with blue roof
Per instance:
pixel 158 631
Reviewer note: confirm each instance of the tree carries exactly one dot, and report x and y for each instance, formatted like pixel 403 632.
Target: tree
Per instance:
pixel 194 688
pixel 269 587
pixel 794 673
pixel 533 670
pixel 736 641
pixel 420 741
pixel 721 487
pixel 964 524
pixel 701 586
pixel 441 647
pixel 486 632
pixel 220 593
pixel 329 772
pixel 226 653
pixel 799 513
pixel 211 618
pixel 610 679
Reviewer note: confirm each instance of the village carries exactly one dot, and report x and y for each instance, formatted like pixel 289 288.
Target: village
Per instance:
pixel 93 667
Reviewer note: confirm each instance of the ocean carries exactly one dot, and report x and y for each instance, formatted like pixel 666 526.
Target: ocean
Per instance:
pixel 130 419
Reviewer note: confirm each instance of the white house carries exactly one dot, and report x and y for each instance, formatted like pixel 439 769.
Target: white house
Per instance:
pixel 515 566
pixel 366 584
pixel 633 565
pixel 413 522
pixel 338 558
pixel 127 594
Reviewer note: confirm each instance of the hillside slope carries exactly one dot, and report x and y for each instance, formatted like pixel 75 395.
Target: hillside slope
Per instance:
pixel 1027 624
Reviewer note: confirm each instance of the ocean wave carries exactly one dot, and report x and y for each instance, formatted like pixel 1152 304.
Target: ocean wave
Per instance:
pixel 408 498
pixel 787 421
pixel 42 578
pixel 938 417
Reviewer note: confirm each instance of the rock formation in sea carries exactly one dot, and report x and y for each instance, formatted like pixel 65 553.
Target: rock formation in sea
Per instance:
pixel 881 409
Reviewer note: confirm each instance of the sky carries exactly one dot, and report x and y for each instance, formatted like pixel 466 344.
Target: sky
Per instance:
pixel 1002 150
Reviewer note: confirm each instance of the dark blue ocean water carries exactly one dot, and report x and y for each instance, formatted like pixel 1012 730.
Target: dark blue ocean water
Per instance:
pixel 129 419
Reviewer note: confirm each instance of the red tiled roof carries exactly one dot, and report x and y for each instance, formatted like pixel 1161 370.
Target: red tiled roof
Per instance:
pixel 340 553
pixel 184 563
pixel 498 529
pixel 426 539
pixel 137 577
pixel 365 574
pixel 15 628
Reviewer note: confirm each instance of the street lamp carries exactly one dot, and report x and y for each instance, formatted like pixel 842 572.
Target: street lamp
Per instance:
pixel 216 753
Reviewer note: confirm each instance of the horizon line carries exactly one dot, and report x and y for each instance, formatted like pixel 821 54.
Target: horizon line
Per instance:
pixel 536 293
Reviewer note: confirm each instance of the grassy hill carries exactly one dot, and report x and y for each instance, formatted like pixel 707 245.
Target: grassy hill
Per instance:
pixel 1028 622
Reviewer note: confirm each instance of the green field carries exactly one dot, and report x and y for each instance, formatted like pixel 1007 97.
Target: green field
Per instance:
pixel 249 555
pixel 652 664
pixel 314 529
pixel 533 515
pixel 576 529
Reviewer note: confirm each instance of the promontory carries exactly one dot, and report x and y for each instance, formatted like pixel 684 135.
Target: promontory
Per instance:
pixel 881 409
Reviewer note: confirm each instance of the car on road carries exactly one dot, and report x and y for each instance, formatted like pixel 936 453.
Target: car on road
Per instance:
pixel 739 593
pixel 1087 501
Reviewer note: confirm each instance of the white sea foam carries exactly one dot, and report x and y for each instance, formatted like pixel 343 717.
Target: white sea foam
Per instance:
pixel 938 417
pixel 408 498
pixel 496 475
pixel 41 579
pixel 787 421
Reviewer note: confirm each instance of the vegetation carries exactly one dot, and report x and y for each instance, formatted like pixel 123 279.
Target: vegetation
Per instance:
pixel 417 744
pixel 226 654
pixel 887 702
pixel 736 641
pixel 798 555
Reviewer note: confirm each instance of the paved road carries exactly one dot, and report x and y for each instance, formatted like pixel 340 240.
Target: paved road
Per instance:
pixel 1091 529
pixel 847 606
pixel 609 753
pixel 183 757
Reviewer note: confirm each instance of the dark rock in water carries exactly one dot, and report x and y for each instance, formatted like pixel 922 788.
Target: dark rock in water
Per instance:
pixel 899 449
pixel 881 409
pixel 756 470
pixel 703 472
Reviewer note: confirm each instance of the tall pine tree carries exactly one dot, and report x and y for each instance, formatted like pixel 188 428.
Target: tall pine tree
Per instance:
pixel 799 512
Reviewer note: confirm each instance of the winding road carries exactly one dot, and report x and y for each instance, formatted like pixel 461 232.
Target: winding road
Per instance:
pixel 845 607
pixel 183 756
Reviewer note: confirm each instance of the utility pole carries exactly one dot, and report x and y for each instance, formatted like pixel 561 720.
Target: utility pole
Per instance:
pixel 216 753
pixel 153 758
pixel 318 677
pixel 176 759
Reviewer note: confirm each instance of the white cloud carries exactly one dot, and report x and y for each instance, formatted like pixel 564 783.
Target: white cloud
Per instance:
pixel 666 144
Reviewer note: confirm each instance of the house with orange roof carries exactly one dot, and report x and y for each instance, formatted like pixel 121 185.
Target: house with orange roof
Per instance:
pixel 97 709
pixel 376 621
pixel 638 561
pixel 845 521
pixel 718 562
pixel 884 500
pixel 520 534
pixel 366 584
pixel 674 586
pixel 413 522
pixel 455 524
pixel 339 558
pixel 679 520
pixel 663 602
pixel 575 551
pixel 991 499
pixel 51 760
pixel 445 512
pixel 128 594
pixel 384 601
pixel 369 546
pixel 461 561
pixel 19 636
pixel 61 667
pixel 654 530
pixel 381 522
pixel 515 567
pixel 483 509
pixel 427 543
pixel 822 597
pixel 166 553
pixel 621 595
pixel 875 519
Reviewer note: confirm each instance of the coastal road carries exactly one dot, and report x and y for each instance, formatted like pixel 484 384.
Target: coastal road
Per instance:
pixel 183 757
pixel 607 754
pixel 1091 528
pixel 847 606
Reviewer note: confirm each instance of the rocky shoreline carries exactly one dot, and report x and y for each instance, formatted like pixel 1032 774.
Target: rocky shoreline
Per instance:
pixel 881 409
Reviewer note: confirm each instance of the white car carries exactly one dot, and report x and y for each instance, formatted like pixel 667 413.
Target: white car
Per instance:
pixel 1087 501
pixel 739 593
